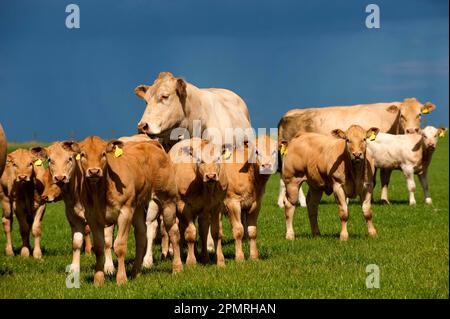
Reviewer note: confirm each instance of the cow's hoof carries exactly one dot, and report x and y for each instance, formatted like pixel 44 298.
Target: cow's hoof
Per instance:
pixel 303 204
pixel 25 252
pixel 9 251
pixel 99 278
pixel 121 279
pixel 254 256
pixel 147 263
pixel 428 201
pixel 343 236
pixel 109 268
pixel 74 268
pixel 37 253
pixel 239 257
pixel 280 203
pixel 372 233
pixel 220 262
pixel 385 202
pixel 191 261
pixel 290 236
pixel 88 250
pixel 177 267
pixel 412 203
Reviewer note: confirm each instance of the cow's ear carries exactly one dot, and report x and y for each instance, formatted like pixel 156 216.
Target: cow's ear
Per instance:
pixel 338 133
pixel 113 144
pixel 181 90
pixel 9 159
pixel 393 109
pixel 140 90
pixel 71 146
pixel 427 108
pixel 372 133
pixel 39 152
pixel 442 131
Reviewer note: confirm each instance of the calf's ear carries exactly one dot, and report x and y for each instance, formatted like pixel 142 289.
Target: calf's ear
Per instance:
pixel 427 108
pixel 442 131
pixel 393 109
pixel 9 159
pixel 71 146
pixel 39 152
pixel 112 145
pixel 372 133
pixel 140 90
pixel 338 133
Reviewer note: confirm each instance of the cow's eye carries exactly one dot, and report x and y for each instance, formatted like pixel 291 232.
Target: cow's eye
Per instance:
pixel 104 154
pixel 164 97
pixel 70 159
pixel 31 164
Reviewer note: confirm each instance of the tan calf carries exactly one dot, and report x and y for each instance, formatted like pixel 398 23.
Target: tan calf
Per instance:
pixel 202 185
pixel 338 165
pixel 247 175
pixel 118 181
pixel 22 184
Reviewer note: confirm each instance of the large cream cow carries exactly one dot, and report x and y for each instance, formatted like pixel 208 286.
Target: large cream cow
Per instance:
pixel 393 117
pixel 3 150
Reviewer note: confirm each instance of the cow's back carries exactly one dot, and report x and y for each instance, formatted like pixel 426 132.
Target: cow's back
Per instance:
pixel 3 150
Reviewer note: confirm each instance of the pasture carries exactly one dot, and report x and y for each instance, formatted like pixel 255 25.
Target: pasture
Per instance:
pixel 411 250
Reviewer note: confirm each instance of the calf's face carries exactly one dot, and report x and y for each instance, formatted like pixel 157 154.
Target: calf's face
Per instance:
pixel 208 158
pixel 411 112
pixel 93 158
pixel 22 163
pixel 430 136
pixel 355 138
pixel 266 154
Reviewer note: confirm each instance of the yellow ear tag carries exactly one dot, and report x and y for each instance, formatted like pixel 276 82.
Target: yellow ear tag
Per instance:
pixel 283 150
pixel 118 151
pixel 442 134
pixel 372 137
pixel 425 111
pixel 78 157
pixel 38 162
pixel 227 154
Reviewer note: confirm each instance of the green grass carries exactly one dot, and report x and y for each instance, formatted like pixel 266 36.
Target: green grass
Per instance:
pixel 411 250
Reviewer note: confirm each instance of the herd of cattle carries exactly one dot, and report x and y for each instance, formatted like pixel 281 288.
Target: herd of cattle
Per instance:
pixel 157 183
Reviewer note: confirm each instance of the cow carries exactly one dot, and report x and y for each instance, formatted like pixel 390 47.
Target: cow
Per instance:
pixel 22 183
pixel 3 150
pixel 202 185
pixel 118 180
pixel 410 153
pixel 65 174
pixel 338 164
pixel 248 172
pixel 393 117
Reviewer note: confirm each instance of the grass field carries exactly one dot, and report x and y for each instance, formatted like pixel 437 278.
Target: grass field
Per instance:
pixel 411 250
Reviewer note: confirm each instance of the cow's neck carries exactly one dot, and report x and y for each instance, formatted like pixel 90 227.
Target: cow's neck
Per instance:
pixel 194 109
pixel 427 154
pixel 355 170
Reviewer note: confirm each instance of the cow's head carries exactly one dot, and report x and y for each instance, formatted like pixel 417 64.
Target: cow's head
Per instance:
pixel 22 163
pixel 208 159
pixel 266 152
pixel 430 136
pixel 355 140
pixel 61 157
pixel 165 101
pixel 93 158
pixel 411 112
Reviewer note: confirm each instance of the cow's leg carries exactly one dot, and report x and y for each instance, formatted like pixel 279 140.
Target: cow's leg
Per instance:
pixel 385 176
pixel 109 264
pixel 281 193
pixel 190 235
pixel 166 246
pixel 234 213
pixel 313 199
pixel 426 192
pixel 87 240
pixel 301 197
pixel 170 221
pixel 78 227
pixel 24 232
pixel 408 171
pixel 7 220
pixel 366 201
pixel 339 195
pixel 204 230
pixel 252 219
pixel 36 231
pixel 152 229
pixel 98 231
pixel 216 232
pixel 290 201
pixel 210 242
pixel 140 235
pixel 121 242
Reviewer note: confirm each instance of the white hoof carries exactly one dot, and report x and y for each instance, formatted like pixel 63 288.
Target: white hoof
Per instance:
pixel 148 262
pixel 280 203
pixel 109 268
pixel 428 201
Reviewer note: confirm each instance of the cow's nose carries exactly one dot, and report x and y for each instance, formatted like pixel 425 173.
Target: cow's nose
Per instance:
pixel 357 154
pixel 211 176
pixel 266 166
pixel 93 172
pixel 412 130
pixel 142 127
pixel 60 178
pixel 22 177
pixel 431 145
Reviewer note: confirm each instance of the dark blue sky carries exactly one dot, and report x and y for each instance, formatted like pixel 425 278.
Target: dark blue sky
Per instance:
pixel 276 55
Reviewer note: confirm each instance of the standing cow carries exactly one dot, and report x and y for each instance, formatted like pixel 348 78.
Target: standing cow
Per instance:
pixel 337 164
pixel 3 150
pixel 394 118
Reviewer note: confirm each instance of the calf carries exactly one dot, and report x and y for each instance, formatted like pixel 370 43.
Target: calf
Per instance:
pixel 247 174
pixel 202 185
pixel 337 165
pixel 411 153
pixel 22 184
pixel 65 175
pixel 118 180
